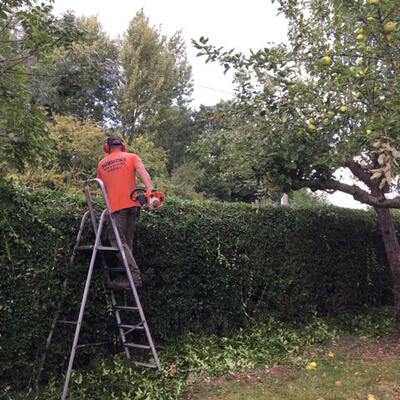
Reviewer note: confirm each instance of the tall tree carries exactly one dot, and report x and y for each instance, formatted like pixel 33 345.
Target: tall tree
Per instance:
pixel 174 132
pixel 84 79
pixel 156 76
pixel 328 101
pixel 28 32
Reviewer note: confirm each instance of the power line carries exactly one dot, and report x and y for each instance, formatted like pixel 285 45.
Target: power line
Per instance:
pixel 214 89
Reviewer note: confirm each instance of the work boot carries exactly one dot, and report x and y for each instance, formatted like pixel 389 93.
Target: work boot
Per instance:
pixel 137 281
pixel 119 283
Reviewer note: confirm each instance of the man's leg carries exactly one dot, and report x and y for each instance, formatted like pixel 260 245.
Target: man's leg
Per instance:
pixel 123 220
pixel 130 230
pixel 130 227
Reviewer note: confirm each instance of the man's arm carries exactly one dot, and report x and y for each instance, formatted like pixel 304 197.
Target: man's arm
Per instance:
pixel 99 172
pixel 144 175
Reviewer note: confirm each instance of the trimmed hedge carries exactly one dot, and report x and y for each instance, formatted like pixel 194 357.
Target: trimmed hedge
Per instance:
pixel 207 268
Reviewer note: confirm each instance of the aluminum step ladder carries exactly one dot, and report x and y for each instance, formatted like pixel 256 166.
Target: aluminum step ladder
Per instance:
pixel 124 329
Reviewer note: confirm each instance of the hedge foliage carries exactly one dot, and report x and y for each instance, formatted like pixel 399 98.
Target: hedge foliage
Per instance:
pixel 207 268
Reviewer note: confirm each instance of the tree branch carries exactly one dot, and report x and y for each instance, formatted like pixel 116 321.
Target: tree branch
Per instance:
pixel 33 74
pixel 359 172
pixel 358 194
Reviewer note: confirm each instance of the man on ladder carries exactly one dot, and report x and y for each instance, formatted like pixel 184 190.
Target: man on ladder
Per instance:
pixel 118 172
pixel 117 180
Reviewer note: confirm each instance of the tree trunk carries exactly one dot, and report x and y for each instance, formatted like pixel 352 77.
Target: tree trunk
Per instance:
pixel 392 248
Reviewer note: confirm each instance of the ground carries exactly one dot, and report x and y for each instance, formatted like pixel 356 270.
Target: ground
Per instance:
pixel 357 363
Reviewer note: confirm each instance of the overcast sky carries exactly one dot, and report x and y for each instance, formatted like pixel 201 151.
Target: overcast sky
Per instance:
pixel 229 23
pixel 238 24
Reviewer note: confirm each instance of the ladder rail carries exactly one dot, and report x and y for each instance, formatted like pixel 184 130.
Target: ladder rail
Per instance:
pixel 118 318
pixel 86 188
pixel 82 308
pixel 58 311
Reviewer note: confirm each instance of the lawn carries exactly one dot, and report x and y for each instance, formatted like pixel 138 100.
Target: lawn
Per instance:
pixel 349 369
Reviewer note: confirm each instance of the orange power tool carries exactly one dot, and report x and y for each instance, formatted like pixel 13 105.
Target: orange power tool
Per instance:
pixel 149 200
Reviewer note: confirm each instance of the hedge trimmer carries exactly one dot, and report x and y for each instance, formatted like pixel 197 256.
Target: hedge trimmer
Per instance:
pixel 148 199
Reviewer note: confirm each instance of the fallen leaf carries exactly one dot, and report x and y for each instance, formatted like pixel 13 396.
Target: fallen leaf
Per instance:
pixel 172 368
pixel 338 383
pixel 331 354
pixel 371 397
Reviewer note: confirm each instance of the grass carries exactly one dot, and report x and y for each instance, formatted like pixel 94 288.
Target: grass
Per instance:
pixel 266 361
pixel 332 379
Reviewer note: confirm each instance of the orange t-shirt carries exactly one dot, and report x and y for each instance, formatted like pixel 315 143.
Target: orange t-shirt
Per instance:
pixel 118 173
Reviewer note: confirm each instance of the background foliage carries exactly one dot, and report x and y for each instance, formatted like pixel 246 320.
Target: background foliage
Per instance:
pixel 207 267
pixel 28 32
pixel 77 147
pixel 83 79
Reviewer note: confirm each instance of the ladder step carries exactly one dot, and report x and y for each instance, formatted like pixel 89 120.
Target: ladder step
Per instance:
pixel 142 364
pixel 79 346
pixel 126 308
pixel 103 248
pixel 84 248
pixel 133 327
pixel 108 248
pixel 137 346
pixel 62 321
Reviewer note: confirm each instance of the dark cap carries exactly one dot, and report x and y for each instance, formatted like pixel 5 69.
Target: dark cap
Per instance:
pixel 114 141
